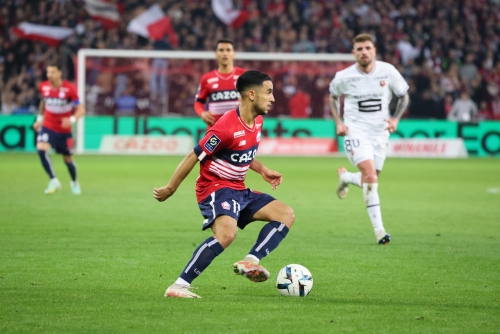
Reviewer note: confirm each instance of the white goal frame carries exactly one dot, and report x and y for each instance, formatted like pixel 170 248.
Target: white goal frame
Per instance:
pixel 84 53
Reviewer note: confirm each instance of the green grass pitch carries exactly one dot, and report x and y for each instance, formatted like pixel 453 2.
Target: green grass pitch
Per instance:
pixel 100 262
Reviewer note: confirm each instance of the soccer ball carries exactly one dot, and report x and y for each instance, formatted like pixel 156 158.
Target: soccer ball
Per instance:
pixel 294 280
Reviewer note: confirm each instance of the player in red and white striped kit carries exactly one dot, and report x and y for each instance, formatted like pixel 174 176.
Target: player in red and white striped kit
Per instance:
pixel 217 88
pixel 59 109
pixel 225 154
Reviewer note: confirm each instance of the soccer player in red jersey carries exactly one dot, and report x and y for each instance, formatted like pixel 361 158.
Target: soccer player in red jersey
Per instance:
pixel 53 124
pixel 226 153
pixel 217 87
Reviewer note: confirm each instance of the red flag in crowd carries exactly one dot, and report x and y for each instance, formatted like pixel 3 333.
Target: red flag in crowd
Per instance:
pixel 153 24
pixel 52 36
pixel 103 11
pixel 225 11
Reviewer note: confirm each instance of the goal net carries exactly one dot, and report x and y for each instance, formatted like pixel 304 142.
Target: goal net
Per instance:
pixel 148 83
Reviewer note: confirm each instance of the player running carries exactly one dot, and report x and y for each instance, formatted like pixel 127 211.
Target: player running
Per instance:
pixel 367 87
pixel 218 86
pixel 53 124
pixel 226 153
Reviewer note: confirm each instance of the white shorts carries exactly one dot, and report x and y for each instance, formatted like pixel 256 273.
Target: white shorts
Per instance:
pixel 362 144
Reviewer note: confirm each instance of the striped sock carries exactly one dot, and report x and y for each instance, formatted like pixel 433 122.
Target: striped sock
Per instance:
pixel 269 238
pixel 202 257
pixel 71 169
pixel 46 163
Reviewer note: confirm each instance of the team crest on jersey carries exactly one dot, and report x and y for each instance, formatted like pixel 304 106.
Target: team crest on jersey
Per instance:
pixel 62 95
pixel 382 83
pixel 226 206
pixel 212 143
pixel 258 136
pixel 242 143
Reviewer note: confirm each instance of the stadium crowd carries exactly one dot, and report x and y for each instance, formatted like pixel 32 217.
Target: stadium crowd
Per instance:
pixel 447 50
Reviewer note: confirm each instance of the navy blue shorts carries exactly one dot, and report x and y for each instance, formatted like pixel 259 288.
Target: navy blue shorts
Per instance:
pixel 61 142
pixel 239 204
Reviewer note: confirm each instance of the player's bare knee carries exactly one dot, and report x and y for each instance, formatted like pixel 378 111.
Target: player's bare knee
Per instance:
pixel 288 217
pixel 225 237
pixel 42 146
pixel 370 178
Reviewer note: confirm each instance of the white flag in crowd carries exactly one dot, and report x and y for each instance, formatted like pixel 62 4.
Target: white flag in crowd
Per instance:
pixel 225 11
pixel 103 11
pixel 52 36
pixel 151 23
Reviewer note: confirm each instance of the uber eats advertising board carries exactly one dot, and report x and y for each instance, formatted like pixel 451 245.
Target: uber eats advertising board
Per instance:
pixel 481 139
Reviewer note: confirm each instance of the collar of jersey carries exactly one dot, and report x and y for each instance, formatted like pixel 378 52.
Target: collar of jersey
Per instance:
pixel 361 72
pixel 229 75
pixel 243 123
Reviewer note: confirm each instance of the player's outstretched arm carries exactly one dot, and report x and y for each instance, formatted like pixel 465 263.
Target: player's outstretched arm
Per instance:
pixel 334 107
pixel 180 174
pixel 270 176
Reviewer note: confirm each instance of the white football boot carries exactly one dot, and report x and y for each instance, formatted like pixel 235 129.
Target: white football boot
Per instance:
pixel 54 185
pixel 180 291
pixel 342 187
pixel 75 187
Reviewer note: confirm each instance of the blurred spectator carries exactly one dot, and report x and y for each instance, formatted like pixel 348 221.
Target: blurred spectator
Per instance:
pixel 299 103
pixel 469 70
pixel 495 108
pixel 126 103
pixel 463 109
pixel 484 113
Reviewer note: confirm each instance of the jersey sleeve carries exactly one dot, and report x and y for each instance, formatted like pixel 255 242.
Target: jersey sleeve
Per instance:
pixel 336 86
pixel 399 86
pixel 214 140
pixel 202 94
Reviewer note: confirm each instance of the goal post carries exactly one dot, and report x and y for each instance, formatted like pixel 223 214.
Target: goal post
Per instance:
pixel 141 60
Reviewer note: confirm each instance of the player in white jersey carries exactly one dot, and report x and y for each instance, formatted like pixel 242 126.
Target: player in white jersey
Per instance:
pixel 367 87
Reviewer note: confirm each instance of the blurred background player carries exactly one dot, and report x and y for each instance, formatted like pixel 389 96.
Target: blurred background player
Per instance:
pixel 219 86
pixel 226 153
pixel 54 124
pixel 367 87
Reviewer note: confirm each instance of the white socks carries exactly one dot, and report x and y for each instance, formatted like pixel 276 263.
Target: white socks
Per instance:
pixel 182 282
pixel 252 258
pixel 352 178
pixel 372 201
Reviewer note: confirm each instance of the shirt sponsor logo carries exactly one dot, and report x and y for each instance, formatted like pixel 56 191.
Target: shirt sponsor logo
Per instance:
pixel 212 143
pixel 245 157
pixel 239 133
pixel 226 95
pixel 52 101
pixel 226 206
pixel 242 143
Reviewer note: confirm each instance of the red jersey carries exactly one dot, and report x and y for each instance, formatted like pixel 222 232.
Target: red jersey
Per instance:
pixel 225 154
pixel 59 103
pixel 220 91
